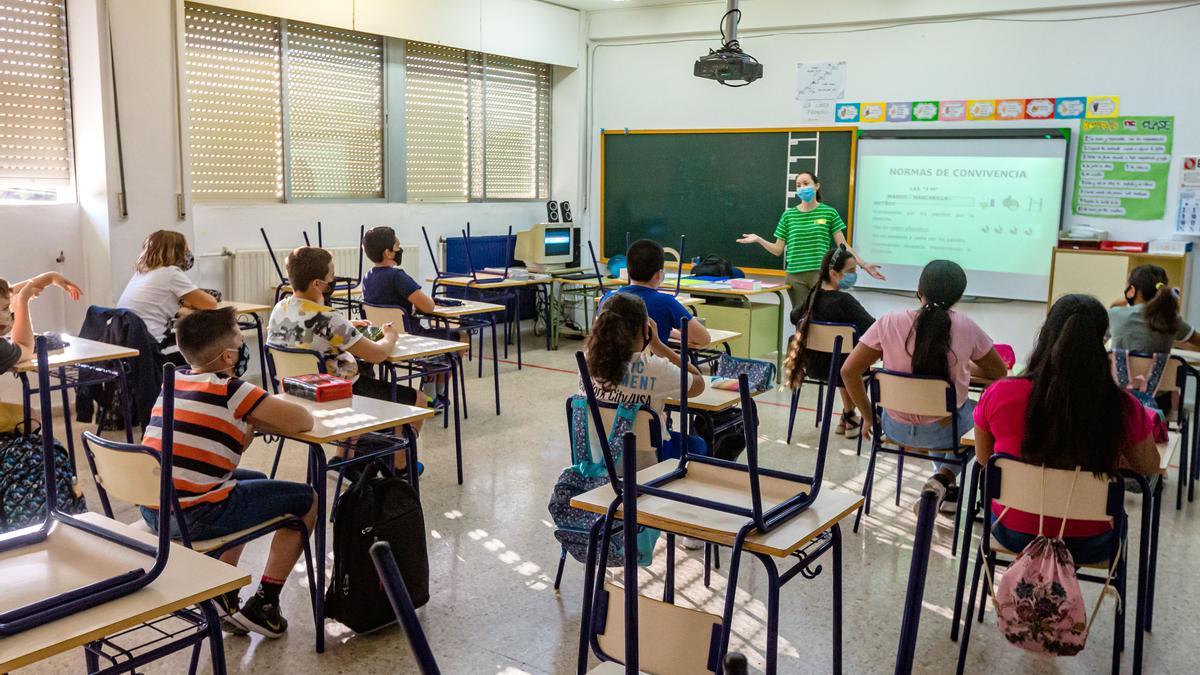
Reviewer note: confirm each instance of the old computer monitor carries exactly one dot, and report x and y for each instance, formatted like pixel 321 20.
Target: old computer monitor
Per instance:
pixel 546 246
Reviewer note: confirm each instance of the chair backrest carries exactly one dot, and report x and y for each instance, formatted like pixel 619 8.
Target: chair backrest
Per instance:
pixel 646 426
pixel 821 336
pixel 1020 487
pixel 381 314
pixel 672 639
pixel 397 593
pixel 128 472
pixel 913 394
pixel 1174 374
pixel 284 362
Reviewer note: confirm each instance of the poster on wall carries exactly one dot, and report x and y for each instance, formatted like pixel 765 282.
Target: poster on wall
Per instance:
pixel 1122 166
pixel 820 80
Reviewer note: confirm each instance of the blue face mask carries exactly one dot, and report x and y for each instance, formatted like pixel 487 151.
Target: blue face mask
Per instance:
pixel 806 193
pixel 847 281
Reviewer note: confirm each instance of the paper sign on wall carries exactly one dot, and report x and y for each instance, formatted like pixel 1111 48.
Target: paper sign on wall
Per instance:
pixel 1122 167
pixel 816 113
pixel 820 80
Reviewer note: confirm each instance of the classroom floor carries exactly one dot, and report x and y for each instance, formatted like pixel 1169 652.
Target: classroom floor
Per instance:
pixel 492 559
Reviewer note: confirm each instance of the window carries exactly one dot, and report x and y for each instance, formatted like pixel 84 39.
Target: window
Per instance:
pixel 235 133
pixel 35 109
pixel 477 125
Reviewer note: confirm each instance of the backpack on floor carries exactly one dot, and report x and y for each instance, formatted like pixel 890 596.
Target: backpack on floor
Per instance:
pixel 375 508
pixel 572 526
pixel 1038 604
pixel 23 482
pixel 727 444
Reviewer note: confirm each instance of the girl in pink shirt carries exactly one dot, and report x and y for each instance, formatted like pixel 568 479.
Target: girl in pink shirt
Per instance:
pixel 1065 411
pixel 933 340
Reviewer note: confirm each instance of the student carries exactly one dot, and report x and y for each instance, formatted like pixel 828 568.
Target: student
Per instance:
pixel 829 302
pixel 304 321
pixel 216 415
pixel 1147 318
pixel 644 262
pixel 159 287
pixel 1065 411
pixel 933 340
pixel 14 315
pixel 629 363
pixel 386 283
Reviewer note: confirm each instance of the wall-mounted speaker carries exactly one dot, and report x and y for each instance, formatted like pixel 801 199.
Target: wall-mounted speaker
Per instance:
pixel 566 212
pixel 552 211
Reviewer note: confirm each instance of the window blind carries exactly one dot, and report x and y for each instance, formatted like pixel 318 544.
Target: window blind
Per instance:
pixel 334 82
pixel 235 131
pixel 437 122
pixel 34 93
pixel 516 100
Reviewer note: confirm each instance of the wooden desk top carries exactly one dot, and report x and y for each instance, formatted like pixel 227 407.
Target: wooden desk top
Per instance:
pixel 716 335
pixel 470 282
pixel 684 300
pixel 410 347
pixel 353 292
pixel 70 558
pixel 80 350
pixel 731 487
pixel 590 282
pixel 701 290
pixel 467 308
pixel 1190 357
pixel 712 399
pixel 346 418
pixel 245 307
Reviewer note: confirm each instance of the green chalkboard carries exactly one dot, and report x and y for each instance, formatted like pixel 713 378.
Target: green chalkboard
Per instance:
pixel 715 185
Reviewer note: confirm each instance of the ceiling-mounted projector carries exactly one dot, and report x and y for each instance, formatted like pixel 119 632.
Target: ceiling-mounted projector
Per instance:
pixel 729 63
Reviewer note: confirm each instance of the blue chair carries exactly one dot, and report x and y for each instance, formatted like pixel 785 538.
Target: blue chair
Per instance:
pixel 915 594
pixel 821 337
pixel 397 593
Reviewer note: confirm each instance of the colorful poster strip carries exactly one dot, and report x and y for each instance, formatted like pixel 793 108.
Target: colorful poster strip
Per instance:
pixel 981 110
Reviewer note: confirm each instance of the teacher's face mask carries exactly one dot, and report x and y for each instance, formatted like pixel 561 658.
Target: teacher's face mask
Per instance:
pixel 806 193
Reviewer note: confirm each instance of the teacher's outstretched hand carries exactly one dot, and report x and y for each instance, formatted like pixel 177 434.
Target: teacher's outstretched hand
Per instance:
pixel 803 235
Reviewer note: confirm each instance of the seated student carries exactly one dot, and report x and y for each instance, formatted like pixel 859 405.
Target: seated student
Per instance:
pixel 386 283
pixel 829 302
pixel 1065 411
pixel 159 288
pixel 216 415
pixel 304 321
pixel 14 314
pixel 1147 318
pixel 629 363
pixel 644 261
pixel 932 340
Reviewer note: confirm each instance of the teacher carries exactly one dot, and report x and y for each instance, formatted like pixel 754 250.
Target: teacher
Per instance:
pixel 805 233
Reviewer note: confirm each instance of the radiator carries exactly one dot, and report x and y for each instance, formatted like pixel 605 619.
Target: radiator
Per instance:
pixel 253 277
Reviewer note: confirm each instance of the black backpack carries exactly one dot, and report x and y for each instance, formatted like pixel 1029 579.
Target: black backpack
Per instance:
pixel 712 266
pixel 727 444
pixel 23 482
pixel 375 508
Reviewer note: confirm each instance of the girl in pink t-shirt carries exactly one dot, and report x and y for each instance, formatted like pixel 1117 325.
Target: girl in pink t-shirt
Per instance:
pixel 1065 411
pixel 933 340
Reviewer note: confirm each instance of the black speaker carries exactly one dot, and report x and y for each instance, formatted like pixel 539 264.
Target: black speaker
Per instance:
pixel 552 211
pixel 566 212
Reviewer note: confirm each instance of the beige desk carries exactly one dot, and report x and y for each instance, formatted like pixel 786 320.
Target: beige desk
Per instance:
pixel 716 337
pixel 409 347
pixel 473 282
pixel 467 308
pixel 348 418
pixel 79 350
pixel 245 307
pixel 70 558
pixel 729 487
pixel 712 400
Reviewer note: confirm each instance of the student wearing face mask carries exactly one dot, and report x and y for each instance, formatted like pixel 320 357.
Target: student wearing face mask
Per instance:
pixel 160 288
pixel 803 236
pixel 15 323
pixel 1147 318
pixel 828 302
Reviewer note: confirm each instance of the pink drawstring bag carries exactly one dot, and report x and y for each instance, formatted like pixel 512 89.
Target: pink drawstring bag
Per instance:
pixel 1038 604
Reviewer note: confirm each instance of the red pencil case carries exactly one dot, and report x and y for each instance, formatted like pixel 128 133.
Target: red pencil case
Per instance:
pixel 318 387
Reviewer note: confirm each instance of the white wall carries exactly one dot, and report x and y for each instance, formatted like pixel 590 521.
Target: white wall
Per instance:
pixel 651 86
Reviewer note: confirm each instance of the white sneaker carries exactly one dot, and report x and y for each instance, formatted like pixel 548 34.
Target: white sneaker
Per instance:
pixel 693 544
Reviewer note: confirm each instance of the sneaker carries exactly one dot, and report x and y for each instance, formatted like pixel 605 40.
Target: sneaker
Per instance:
pixel 692 544
pixel 228 605
pixel 950 502
pixel 261 617
pixel 939 485
pixel 851 425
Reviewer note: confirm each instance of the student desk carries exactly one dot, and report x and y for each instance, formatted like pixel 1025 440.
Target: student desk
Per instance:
pixel 1189 458
pixel 540 284
pixel 70 558
pixel 702 355
pixel 707 404
pixel 69 365
pixel 411 348
pixel 587 289
pixel 464 314
pixel 342 420
pixel 743 321
pixel 806 536
pixel 254 311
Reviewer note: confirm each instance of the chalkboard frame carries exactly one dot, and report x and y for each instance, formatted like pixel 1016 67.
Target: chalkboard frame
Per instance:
pixel 848 216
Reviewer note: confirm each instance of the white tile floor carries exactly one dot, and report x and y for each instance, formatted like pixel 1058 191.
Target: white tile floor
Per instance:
pixel 492 561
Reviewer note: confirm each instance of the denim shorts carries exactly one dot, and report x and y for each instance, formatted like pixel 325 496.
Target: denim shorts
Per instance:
pixel 1084 550
pixel 933 436
pixel 253 500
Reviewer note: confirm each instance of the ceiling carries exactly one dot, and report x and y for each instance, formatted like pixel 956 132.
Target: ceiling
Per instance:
pixel 591 5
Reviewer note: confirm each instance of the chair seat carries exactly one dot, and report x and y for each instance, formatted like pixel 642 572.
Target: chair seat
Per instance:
pixel 206 545
pixel 610 668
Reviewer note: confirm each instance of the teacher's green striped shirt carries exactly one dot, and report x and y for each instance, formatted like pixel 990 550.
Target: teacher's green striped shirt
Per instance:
pixel 809 234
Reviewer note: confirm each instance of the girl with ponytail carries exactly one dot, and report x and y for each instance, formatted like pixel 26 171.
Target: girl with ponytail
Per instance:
pixel 1147 318
pixel 932 340
pixel 1065 411
pixel 630 364
pixel 828 302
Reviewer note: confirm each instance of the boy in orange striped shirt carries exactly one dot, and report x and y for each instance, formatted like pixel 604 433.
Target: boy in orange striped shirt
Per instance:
pixel 216 415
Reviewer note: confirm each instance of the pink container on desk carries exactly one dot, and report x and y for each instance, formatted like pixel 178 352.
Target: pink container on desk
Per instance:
pixel 745 284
